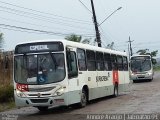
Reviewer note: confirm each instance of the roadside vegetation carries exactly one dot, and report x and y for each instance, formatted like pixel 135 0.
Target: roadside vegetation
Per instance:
pixel 6 97
pixel 6 106
pixel 156 68
pixel 6 86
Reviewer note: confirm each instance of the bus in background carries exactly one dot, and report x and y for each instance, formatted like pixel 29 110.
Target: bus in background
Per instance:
pixel 141 68
pixel 49 73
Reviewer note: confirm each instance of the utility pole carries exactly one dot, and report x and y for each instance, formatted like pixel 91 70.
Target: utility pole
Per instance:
pixel 98 38
pixel 130 47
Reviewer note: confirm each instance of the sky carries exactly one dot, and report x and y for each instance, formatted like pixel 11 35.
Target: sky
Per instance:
pixel 138 19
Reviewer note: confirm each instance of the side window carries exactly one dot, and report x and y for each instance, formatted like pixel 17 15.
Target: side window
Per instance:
pixel 107 62
pixel 91 62
pixel 114 62
pixel 72 64
pixel 81 60
pixel 125 63
pixel 99 61
pixel 120 63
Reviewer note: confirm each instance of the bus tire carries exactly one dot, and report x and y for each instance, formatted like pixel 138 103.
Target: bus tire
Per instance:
pixel 116 90
pixel 42 108
pixel 150 80
pixel 134 81
pixel 83 101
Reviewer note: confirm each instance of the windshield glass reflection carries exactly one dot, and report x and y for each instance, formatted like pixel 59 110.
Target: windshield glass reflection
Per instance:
pixel 39 69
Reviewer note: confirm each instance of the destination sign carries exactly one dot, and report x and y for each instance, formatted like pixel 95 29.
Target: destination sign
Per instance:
pixel 39 47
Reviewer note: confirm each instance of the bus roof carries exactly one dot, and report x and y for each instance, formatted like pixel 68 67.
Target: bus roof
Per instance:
pixel 140 55
pixel 78 45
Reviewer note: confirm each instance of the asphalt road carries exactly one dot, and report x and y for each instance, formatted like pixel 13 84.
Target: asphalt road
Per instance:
pixel 141 98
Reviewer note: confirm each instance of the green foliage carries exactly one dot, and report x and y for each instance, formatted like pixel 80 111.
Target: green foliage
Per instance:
pixel 7 105
pixel 6 93
pixel 156 68
pixel 110 46
pixel 146 52
pixel 76 38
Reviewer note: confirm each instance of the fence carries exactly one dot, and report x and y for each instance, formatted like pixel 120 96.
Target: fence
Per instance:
pixel 6 67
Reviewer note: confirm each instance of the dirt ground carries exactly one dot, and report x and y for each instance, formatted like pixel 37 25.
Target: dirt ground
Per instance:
pixel 141 98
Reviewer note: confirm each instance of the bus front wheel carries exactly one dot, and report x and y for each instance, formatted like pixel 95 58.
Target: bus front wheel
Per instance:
pixel 83 101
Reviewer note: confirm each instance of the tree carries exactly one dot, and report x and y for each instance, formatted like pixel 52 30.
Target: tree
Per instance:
pixel 76 38
pixel 110 46
pixel 1 40
pixel 146 52
pixel 143 52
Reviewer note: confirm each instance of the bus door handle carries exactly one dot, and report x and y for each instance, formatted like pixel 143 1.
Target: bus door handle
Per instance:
pixel 89 78
pixel 77 82
pixel 80 72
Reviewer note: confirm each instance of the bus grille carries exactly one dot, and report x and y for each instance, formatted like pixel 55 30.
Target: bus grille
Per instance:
pixel 41 89
pixel 141 76
pixel 39 100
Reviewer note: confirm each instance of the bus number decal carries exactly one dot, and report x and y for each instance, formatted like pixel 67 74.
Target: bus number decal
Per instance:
pixel 22 87
pixel 101 78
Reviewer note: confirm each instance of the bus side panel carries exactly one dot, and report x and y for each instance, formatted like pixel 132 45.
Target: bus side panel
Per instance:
pixel 74 92
pixel 121 85
pixel 126 81
pixel 92 84
pixel 105 83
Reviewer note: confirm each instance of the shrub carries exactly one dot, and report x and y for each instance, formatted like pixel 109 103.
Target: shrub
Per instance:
pixel 6 93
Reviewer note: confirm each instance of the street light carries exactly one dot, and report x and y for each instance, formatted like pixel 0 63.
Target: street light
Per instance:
pixel 110 15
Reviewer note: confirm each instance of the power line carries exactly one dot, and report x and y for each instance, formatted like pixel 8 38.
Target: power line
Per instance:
pixel 43 31
pixel 36 24
pixel 43 12
pixel 41 16
pixel 20 30
pixel 43 19
pixel 103 34
pixel 85 6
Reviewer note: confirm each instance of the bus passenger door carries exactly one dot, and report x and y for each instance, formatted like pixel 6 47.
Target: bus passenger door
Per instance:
pixel 73 81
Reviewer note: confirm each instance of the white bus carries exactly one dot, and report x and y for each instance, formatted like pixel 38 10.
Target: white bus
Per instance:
pixel 141 68
pixel 49 73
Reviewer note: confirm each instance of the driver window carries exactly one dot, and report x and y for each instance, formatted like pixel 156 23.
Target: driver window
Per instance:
pixel 72 65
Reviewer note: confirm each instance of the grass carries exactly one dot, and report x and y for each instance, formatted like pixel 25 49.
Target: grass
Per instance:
pixel 7 105
pixel 6 93
pixel 6 97
pixel 156 68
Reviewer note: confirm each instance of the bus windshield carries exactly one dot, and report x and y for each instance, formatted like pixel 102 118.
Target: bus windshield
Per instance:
pixel 39 68
pixel 140 65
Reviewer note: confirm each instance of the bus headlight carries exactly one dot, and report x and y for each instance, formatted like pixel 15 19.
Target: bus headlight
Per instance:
pixel 149 73
pixel 59 92
pixel 20 94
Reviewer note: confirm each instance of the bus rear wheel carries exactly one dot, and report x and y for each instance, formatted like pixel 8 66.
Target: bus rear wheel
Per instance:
pixel 42 108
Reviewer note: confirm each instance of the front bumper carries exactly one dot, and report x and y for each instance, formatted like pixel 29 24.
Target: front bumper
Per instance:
pixel 41 101
pixel 141 77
